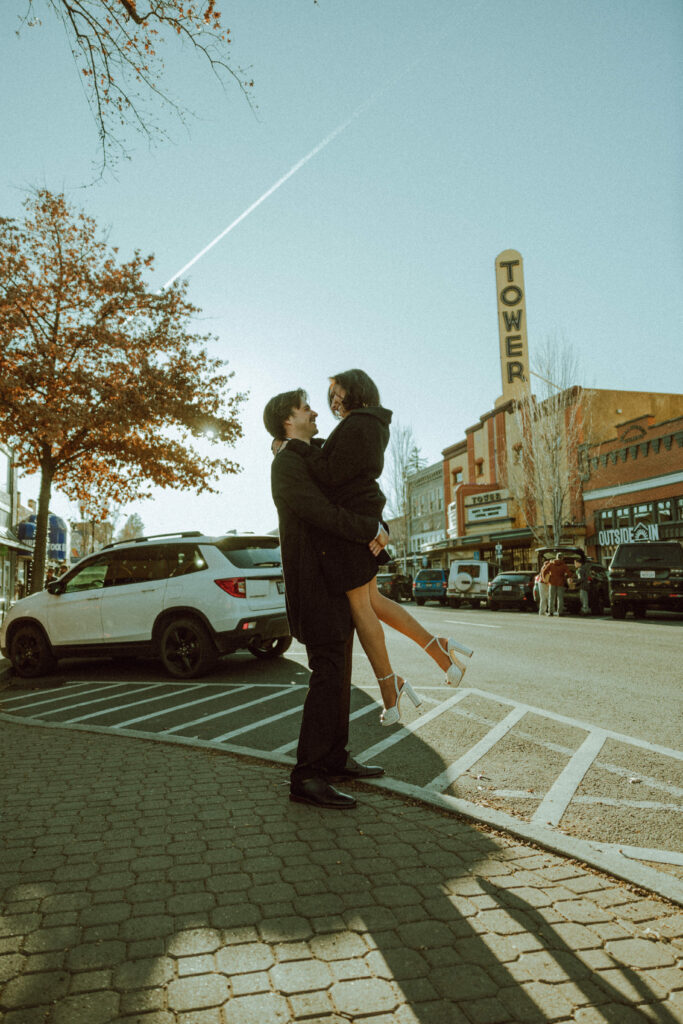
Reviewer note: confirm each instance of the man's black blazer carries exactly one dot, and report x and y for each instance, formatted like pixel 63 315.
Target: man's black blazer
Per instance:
pixel 305 514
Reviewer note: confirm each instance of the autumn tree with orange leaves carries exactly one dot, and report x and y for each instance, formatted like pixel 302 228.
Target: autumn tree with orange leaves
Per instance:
pixel 103 386
pixel 118 48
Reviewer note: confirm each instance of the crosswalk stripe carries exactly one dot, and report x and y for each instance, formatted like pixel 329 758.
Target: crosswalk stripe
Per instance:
pixel 366 709
pixel 176 707
pixel 229 711
pixel 32 703
pixel 475 753
pixel 556 800
pixel 89 703
pixel 406 730
pixel 130 704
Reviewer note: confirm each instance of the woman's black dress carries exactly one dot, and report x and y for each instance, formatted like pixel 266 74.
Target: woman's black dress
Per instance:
pixel 347 468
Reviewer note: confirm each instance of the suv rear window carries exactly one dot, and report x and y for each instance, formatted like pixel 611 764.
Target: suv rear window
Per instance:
pixel 429 574
pixel 473 570
pixel 648 554
pixel 251 552
pixel 514 577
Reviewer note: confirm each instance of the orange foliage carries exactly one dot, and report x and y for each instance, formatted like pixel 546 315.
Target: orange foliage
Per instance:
pixel 102 385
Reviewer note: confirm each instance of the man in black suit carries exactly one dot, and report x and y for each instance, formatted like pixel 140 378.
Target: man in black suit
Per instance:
pixel 319 619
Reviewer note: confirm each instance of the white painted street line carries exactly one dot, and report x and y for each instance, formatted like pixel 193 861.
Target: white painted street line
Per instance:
pixel 476 752
pixel 366 709
pixel 129 704
pixel 89 703
pixel 175 707
pixel 226 712
pixel 558 797
pixel 477 625
pixel 639 805
pixel 578 723
pixel 30 702
pixel 643 853
pixel 558 748
pixel 407 730
pixel 256 725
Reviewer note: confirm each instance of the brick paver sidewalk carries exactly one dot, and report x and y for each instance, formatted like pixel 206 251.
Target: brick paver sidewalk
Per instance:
pixel 147 883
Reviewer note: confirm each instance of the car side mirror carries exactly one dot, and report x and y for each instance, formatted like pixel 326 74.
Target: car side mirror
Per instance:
pixel 55 587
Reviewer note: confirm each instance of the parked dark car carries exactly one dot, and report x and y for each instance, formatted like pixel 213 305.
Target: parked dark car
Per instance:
pixel 395 585
pixel 598 589
pixel 646 574
pixel 514 589
pixel 430 585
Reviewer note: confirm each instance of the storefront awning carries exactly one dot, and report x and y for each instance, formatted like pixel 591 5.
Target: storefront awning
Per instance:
pixel 8 539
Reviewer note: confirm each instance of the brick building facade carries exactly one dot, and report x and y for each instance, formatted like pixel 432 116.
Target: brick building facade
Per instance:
pixel 635 488
pixel 642 464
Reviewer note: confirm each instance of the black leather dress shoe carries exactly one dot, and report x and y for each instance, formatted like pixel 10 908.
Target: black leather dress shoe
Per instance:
pixel 354 770
pixel 319 793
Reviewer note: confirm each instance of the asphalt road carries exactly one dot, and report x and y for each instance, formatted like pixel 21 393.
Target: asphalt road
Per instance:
pixel 569 722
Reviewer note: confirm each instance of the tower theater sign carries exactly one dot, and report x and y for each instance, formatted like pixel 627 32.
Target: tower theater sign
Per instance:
pixel 514 348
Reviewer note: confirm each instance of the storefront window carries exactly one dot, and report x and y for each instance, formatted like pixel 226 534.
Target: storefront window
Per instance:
pixel 622 517
pixel 642 513
pixel 664 511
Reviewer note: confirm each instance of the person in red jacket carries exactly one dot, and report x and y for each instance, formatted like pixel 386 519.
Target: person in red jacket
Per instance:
pixel 557 573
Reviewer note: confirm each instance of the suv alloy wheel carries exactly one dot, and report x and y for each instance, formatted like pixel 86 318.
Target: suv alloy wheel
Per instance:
pixel 30 652
pixel 270 648
pixel 186 648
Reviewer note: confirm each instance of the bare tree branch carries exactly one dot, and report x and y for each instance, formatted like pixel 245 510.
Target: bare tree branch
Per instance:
pixel 545 440
pixel 118 54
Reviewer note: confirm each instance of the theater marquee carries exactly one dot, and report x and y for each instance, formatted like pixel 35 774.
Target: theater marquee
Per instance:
pixel 514 348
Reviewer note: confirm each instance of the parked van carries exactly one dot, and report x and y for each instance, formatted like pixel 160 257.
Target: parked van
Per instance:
pixel 468 581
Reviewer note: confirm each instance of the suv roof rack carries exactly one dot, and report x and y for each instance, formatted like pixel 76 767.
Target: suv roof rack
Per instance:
pixel 154 536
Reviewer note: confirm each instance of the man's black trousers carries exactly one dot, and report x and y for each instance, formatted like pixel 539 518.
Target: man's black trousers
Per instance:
pixel 324 733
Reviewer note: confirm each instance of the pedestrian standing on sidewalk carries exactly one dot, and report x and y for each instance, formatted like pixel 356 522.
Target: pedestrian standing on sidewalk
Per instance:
pixel 543 589
pixel 318 618
pixel 581 577
pixel 556 574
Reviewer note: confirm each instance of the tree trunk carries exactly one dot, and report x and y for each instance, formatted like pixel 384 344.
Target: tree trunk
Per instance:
pixel 40 547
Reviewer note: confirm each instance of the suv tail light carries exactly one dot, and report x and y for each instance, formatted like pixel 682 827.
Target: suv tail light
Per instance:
pixel 236 586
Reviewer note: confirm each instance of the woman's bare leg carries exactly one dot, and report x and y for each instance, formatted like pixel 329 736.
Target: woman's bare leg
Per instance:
pixel 371 636
pixel 395 616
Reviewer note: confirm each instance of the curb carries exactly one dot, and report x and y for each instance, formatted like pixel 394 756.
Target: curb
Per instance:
pixel 601 856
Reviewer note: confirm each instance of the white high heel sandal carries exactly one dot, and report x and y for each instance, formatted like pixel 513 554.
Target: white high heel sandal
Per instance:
pixel 392 715
pixel 455 673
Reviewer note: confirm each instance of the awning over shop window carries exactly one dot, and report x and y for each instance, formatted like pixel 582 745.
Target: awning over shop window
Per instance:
pixel 9 540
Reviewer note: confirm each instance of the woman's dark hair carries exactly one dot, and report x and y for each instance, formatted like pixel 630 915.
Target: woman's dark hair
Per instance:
pixel 280 408
pixel 360 389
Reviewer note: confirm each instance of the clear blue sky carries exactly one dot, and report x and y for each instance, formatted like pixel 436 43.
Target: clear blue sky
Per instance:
pixel 549 128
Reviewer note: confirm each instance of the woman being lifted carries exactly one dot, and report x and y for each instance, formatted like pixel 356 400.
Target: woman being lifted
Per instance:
pixel 347 467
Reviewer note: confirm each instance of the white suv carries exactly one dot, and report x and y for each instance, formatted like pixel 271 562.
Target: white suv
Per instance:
pixel 468 581
pixel 182 597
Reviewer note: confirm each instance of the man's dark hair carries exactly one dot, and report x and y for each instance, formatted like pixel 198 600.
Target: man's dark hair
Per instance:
pixel 280 408
pixel 360 389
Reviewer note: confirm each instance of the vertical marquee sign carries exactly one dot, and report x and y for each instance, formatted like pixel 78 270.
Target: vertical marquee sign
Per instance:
pixel 514 348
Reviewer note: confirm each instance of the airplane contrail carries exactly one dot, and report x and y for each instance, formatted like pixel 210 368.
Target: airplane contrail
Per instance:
pixel 273 188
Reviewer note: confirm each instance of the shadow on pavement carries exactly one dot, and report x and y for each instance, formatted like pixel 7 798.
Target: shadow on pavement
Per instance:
pixel 149 878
